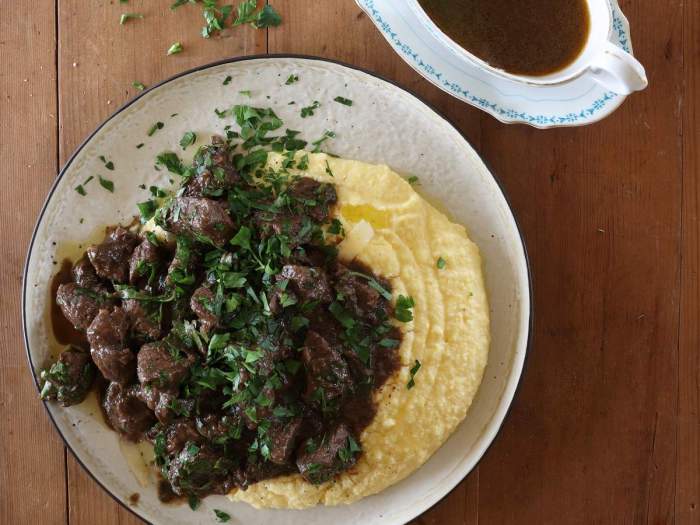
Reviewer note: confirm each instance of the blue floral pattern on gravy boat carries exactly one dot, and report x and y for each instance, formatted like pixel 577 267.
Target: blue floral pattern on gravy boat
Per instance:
pixel 585 108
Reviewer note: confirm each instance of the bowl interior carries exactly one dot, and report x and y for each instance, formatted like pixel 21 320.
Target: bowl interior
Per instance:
pixel 384 125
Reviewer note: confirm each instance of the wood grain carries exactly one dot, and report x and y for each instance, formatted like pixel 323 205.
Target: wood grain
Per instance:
pixel 688 457
pixel 31 450
pixel 605 427
pixel 592 435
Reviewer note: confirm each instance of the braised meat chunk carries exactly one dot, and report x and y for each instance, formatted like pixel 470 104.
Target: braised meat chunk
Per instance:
pixel 317 197
pixel 323 457
pixel 80 305
pixel 163 365
pixel 296 229
pixel 220 429
pixel 359 296
pixel 107 337
pixel 165 405
pixel 259 470
pixel 144 318
pixel 84 274
pixel 111 257
pixel 68 381
pixel 179 433
pixel 327 374
pixel 161 368
pixel 204 220
pixel 309 283
pixel 215 172
pixel 284 439
pixel 204 306
pixel 201 470
pixel 144 262
pixel 183 264
pixel 125 412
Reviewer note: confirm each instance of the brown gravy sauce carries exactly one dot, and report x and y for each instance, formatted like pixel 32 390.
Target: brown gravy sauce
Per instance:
pixel 523 37
pixel 63 331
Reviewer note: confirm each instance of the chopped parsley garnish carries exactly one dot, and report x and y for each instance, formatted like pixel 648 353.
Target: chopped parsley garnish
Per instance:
pixel 188 139
pixel 228 80
pixel 129 292
pixel 341 314
pixel 328 170
pixel 171 161
pixel 308 111
pixel 336 228
pixel 214 16
pixel 343 100
pixel 328 134
pixel 80 188
pixel 413 180
pixel 403 310
pixel 193 501
pixel 157 192
pixel 441 263
pixel 155 127
pixel 291 79
pixel 255 124
pixel 138 85
pixel 106 184
pixel 266 17
pixel 349 450
pixel 128 16
pixel 140 145
pixel 378 287
pixel 303 163
pixel 108 163
pixel 159 450
pixel 175 48
pixel 387 342
pixel 147 210
pixel 414 370
pixel 221 516
pixel 242 238
pixel 152 238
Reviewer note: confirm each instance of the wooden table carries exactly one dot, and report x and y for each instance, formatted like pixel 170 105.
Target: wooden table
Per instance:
pixel 605 428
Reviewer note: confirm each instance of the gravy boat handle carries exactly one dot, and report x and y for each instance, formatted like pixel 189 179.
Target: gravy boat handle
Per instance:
pixel 618 71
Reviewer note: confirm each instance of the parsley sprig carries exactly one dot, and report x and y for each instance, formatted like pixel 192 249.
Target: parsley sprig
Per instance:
pixel 265 17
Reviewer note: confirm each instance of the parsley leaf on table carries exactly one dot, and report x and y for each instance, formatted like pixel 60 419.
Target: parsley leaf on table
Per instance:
pixel 266 17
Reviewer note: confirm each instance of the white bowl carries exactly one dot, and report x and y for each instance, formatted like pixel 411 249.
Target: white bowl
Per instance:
pixel 385 125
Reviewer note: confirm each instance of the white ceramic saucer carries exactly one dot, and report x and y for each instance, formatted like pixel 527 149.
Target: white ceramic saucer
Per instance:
pixel 576 103
pixel 450 172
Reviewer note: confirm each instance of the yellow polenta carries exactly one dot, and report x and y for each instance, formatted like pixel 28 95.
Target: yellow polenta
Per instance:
pixel 449 334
